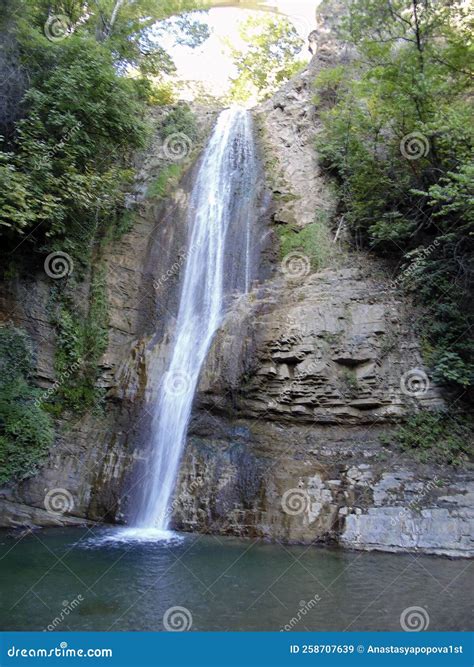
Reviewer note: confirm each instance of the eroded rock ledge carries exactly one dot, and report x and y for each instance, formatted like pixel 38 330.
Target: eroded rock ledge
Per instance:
pixel 300 384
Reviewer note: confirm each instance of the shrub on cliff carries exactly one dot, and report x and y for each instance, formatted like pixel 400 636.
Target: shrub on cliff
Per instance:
pixel 26 431
pixel 398 135
pixel 63 172
pixel 435 437
pixel 68 138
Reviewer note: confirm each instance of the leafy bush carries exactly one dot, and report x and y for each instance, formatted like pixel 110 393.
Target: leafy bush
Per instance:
pixel 156 94
pixel 81 341
pixel 167 177
pixel 398 135
pixel 26 431
pixel 435 437
pixel 180 120
pixel 62 176
pixel 312 241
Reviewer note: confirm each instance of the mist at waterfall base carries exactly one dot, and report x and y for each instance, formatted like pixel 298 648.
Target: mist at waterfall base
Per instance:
pixel 221 218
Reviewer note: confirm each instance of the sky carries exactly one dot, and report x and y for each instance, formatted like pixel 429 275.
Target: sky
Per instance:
pixel 210 63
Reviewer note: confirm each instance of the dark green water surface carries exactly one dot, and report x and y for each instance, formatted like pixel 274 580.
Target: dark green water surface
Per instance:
pixel 223 584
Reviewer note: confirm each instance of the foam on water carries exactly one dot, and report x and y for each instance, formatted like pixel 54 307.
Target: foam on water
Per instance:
pixel 124 536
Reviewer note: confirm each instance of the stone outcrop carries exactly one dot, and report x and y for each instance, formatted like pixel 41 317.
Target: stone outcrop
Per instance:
pixel 319 484
pixel 337 347
pixel 302 382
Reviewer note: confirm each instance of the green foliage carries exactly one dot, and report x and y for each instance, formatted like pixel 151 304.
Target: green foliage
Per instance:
pixel 180 121
pixel 81 341
pixel 312 241
pixel 166 179
pixel 65 173
pixel 26 431
pixel 398 135
pixel 132 31
pixel 156 94
pixel 64 168
pixel 349 379
pixel 269 59
pixel 435 437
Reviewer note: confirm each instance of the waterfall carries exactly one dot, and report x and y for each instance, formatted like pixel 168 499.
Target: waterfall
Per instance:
pixel 218 259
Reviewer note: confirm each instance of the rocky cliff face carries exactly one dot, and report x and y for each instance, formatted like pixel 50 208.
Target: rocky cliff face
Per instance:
pixel 300 385
pixel 306 375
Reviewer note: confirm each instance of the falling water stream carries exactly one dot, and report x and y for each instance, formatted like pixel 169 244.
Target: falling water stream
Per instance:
pixel 219 219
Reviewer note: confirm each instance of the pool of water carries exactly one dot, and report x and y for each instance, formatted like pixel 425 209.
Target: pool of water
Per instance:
pixel 105 579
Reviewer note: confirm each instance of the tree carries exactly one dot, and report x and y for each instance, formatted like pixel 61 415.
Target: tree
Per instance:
pixel 130 29
pixel 68 131
pixel 398 136
pixel 268 60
